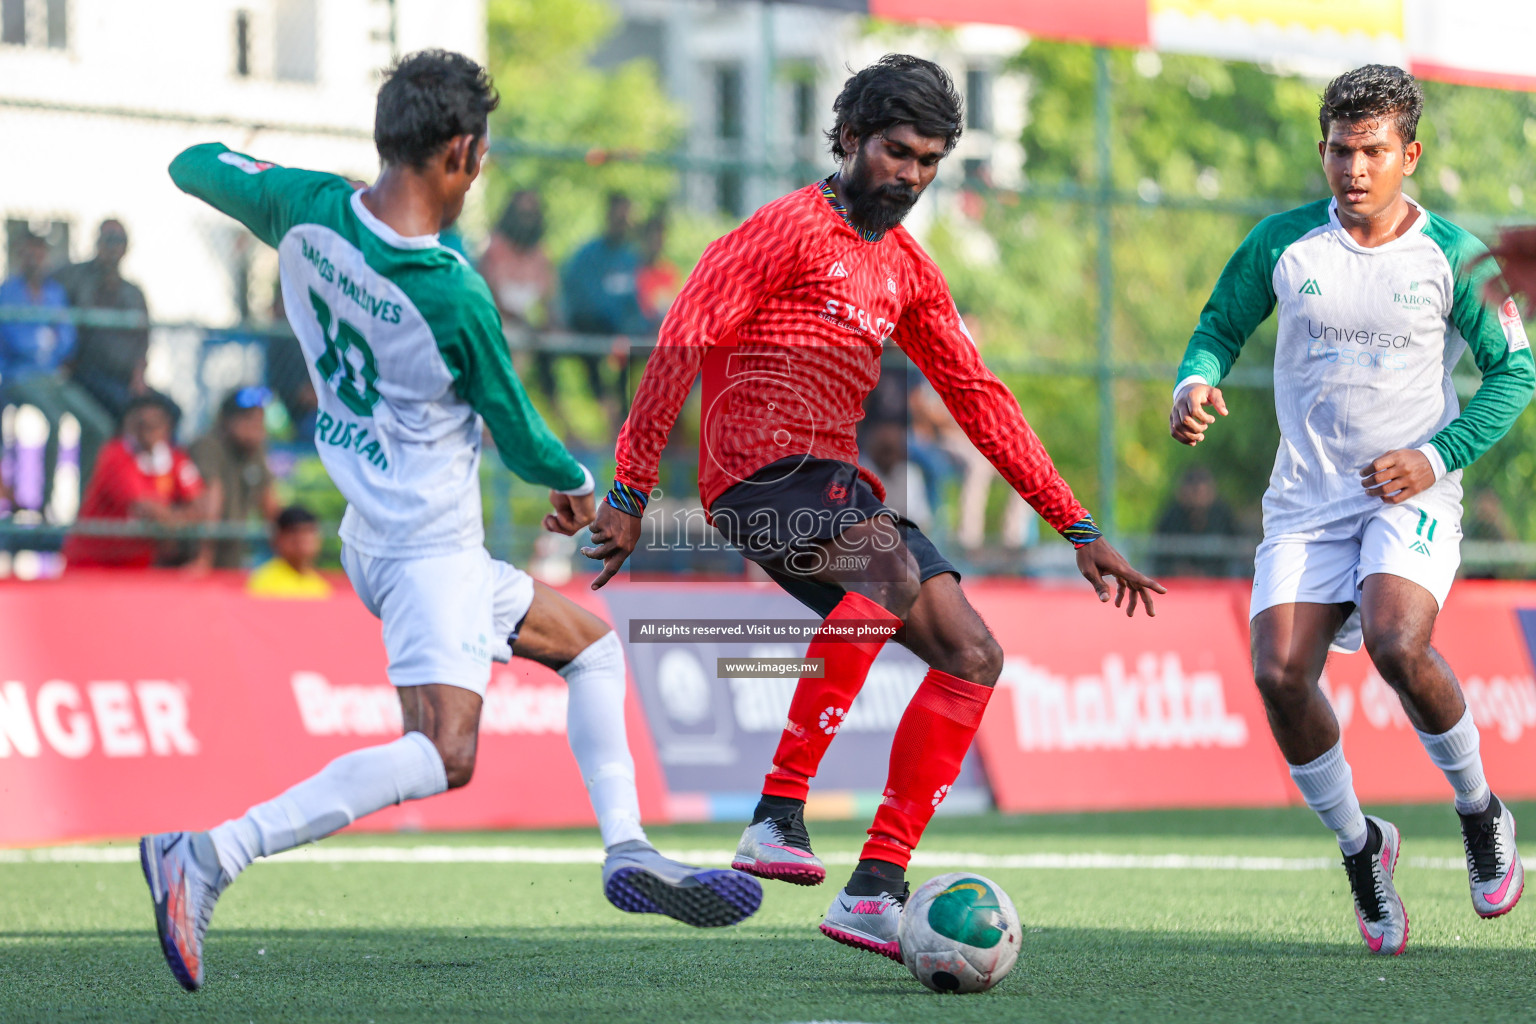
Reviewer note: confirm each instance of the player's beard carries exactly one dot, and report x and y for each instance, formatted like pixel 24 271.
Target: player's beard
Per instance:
pixel 876 208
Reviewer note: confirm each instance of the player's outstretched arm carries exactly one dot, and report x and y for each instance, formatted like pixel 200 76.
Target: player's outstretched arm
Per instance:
pixel 264 197
pixel 934 336
pixel 1188 420
pixel 1099 561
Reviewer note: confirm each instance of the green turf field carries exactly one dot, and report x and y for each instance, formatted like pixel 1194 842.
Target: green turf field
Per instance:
pixel 1203 940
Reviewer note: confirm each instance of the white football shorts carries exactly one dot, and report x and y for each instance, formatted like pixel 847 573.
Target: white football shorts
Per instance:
pixel 446 617
pixel 1329 564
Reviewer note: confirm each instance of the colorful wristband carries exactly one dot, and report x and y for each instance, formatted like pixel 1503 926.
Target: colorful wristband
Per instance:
pixel 1083 532
pixel 627 499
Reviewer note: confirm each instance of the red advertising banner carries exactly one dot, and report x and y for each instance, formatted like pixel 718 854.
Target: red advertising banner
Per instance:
pixel 1103 22
pixel 1098 713
pixel 137 702
pixel 1480 635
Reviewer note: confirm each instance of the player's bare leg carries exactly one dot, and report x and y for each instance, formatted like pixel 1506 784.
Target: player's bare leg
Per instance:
pixel 1290 646
pixel 1398 618
pixel 561 635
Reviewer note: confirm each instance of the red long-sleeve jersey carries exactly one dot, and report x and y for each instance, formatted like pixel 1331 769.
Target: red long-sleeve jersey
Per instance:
pixel 786 317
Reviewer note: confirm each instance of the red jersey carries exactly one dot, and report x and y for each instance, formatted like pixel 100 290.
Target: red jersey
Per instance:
pixel 786 317
pixel 118 481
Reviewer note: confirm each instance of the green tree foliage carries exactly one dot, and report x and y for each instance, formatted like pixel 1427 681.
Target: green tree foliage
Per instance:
pixel 551 98
pixel 1201 149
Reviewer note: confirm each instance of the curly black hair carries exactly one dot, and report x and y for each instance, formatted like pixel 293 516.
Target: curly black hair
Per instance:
pixel 428 98
pixel 1374 92
pixel 898 89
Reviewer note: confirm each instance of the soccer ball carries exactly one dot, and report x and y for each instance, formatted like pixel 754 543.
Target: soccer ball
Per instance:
pixel 959 933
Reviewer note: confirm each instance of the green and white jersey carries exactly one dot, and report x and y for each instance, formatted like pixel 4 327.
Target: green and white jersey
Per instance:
pixel 405 350
pixel 1367 342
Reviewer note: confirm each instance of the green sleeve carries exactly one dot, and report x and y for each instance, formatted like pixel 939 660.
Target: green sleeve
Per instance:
pixel 264 197
pixel 1499 347
pixel 1244 294
pixel 476 353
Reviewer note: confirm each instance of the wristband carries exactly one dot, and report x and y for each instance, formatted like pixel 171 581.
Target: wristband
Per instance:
pixel 1083 532
pixel 627 499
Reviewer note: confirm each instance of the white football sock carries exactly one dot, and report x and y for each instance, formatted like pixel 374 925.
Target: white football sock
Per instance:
pixel 351 786
pixel 1456 752
pixel 595 728
pixel 1327 784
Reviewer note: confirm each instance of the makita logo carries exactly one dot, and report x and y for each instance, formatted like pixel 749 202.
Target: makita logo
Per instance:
pixel 1359 335
pixel 1157 705
pixel 512 707
pixel 148 718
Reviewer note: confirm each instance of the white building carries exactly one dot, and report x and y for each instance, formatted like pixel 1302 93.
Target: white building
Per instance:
pixel 758 80
pixel 97 96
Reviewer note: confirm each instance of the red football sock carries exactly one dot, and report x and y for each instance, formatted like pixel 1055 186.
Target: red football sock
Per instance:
pixel 819 705
pixel 931 741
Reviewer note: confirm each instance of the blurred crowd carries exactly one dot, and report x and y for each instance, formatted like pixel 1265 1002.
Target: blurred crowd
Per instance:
pixel 112 438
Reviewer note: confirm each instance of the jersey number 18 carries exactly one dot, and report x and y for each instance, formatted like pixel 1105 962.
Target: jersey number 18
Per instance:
pixel 354 382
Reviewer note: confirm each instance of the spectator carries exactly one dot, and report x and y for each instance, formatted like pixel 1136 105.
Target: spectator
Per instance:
pixel 598 282
pixel 32 355
pixel 515 266
pixel 657 282
pixel 109 361
pixel 1196 511
pixel 140 477
pixel 232 458
pixel 598 288
pixel 291 571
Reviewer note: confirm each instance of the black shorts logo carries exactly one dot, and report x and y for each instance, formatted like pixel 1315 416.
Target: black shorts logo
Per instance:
pixel 835 495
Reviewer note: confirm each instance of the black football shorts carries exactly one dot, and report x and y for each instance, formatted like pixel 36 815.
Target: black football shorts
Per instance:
pixel 790 506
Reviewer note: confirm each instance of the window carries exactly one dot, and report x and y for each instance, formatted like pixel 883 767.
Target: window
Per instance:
pixel 13 22
pixel 243 44
pixel 805 110
pixel 728 102
pixel 58 24
pixel 978 99
pixel 295 50
pixel 40 23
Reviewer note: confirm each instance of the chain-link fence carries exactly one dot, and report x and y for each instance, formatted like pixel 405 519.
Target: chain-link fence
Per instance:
pixel 1081 287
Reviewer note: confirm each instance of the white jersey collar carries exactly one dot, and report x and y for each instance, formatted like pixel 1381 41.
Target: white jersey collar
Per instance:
pixel 387 234
pixel 1413 229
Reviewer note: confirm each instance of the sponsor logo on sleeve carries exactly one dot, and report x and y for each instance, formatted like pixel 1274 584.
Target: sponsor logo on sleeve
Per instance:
pixel 245 163
pixel 1514 330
